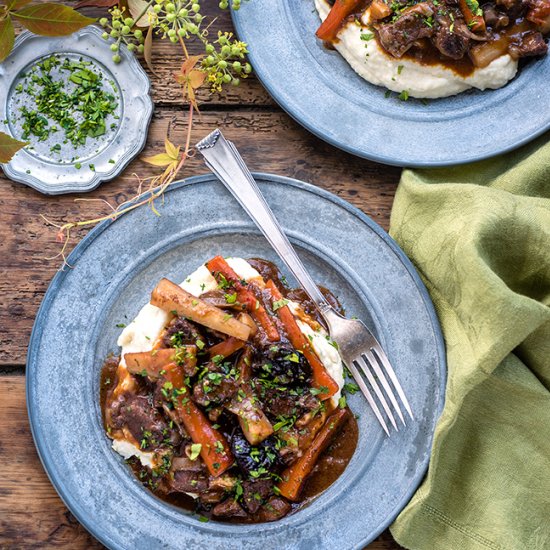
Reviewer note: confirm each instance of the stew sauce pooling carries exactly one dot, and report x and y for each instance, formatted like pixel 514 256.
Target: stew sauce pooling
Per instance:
pixel 237 431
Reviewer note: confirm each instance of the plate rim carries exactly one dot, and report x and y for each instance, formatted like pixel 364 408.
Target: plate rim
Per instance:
pixel 73 505
pixel 294 113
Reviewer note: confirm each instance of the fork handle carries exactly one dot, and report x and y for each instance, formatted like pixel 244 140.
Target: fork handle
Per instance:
pixel 222 157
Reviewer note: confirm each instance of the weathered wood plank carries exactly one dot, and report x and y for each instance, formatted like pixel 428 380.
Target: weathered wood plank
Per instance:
pixel 32 515
pixel 167 58
pixel 269 142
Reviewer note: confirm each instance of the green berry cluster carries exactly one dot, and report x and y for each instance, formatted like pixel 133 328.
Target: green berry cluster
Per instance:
pixel 121 30
pixel 224 62
pixel 180 20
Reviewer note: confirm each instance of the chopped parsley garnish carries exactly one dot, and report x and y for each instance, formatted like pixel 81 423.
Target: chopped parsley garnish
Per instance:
pixel 278 304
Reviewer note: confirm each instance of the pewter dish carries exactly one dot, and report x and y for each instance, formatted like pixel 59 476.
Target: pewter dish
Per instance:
pixel 82 168
pixel 319 89
pixel 113 270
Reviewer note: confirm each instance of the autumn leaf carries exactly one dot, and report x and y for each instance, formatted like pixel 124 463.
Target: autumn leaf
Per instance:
pixel 51 19
pixel 148 49
pixel 169 160
pixel 95 3
pixel 8 147
pixel 137 9
pixel 16 4
pixel 7 37
pixel 190 78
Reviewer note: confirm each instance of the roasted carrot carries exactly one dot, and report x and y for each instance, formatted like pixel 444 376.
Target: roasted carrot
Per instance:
pixel 321 378
pixel 215 450
pixel 473 15
pixel 152 362
pixel 219 267
pixel 292 479
pixel 172 298
pixel 336 17
pixel 226 347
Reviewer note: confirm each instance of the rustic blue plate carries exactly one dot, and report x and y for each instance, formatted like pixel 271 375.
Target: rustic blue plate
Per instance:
pixel 52 166
pixel 113 271
pixel 321 91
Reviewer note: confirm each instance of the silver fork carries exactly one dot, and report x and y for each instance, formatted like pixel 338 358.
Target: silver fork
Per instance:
pixel 358 347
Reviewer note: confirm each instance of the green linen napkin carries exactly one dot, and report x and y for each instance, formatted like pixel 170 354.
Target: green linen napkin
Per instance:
pixel 480 237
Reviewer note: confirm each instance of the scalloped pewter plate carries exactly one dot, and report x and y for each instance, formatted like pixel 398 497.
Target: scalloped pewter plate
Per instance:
pixel 54 173
pixel 113 271
pixel 320 90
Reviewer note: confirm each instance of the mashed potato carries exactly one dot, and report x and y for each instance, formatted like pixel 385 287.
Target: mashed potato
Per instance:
pixel 371 62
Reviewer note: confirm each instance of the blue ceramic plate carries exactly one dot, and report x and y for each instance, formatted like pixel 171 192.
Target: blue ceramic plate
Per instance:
pixel 321 91
pixel 114 269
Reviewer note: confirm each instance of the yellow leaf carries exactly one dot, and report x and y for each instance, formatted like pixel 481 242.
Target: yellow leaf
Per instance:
pixel 137 8
pixel 162 159
pixel 196 78
pixel 172 151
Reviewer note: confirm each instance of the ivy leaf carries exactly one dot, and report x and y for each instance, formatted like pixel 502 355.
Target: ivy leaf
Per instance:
pixel 51 19
pixel 16 4
pixel 190 78
pixel 8 147
pixel 162 159
pixel 165 159
pixel 7 38
pixel 171 149
pixel 94 3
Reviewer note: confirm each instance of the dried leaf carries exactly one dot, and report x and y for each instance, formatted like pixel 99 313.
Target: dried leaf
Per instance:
pixel 190 78
pixel 16 4
pixel 94 3
pixel 7 38
pixel 148 49
pixel 162 159
pixel 136 8
pixel 51 19
pixel 8 147
pixel 172 151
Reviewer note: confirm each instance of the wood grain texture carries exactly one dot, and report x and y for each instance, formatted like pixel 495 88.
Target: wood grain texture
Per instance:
pixel 31 513
pixel 269 142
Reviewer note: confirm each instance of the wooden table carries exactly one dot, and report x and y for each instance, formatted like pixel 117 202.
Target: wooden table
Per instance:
pixel 31 513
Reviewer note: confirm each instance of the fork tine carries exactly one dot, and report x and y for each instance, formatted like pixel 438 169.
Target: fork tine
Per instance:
pixel 377 349
pixel 368 396
pixel 363 364
pixel 374 363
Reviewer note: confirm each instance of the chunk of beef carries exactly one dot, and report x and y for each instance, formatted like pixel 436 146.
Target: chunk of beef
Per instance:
pixel 513 8
pixel 399 36
pixel 448 40
pixel 255 493
pixel 539 13
pixel 187 476
pixel 180 331
pixel 276 508
pixel 229 508
pixel 528 44
pixel 216 388
pixel 148 427
pixel 188 482
pixel 494 18
pixel 278 403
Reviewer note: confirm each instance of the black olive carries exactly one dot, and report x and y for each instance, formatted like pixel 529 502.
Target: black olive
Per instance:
pixel 254 460
pixel 283 366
